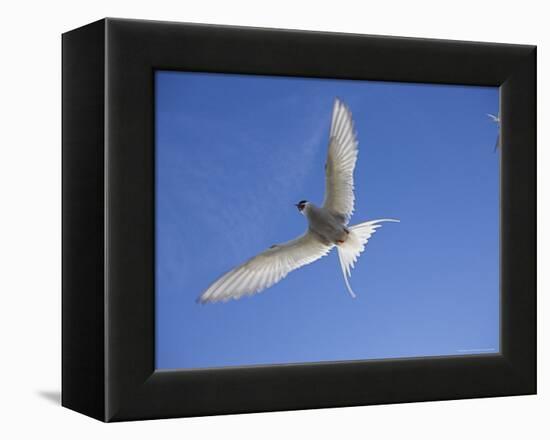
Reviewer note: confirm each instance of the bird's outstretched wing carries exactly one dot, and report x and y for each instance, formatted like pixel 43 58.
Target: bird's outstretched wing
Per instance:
pixel 266 269
pixel 493 118
pixel 341 158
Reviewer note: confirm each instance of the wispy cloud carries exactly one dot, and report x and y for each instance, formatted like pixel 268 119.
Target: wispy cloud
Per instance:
pixel 279 177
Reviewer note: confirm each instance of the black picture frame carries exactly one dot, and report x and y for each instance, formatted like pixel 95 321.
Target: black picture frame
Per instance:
pixel 108 219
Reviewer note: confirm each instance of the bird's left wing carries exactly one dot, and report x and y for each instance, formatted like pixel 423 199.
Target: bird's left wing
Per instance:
pixel 494 118
pixel 341 158
pixel 266 269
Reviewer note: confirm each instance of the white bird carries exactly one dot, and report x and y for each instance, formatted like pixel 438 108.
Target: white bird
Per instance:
pixel 327 225
pixel 496 120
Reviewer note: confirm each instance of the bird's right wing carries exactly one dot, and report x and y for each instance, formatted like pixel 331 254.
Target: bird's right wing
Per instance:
pixel 266 269
pixel 341 158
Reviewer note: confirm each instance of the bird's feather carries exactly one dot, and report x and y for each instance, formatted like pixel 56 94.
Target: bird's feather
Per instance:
pixel 266 269
pixel 349 251
pixel 340 164
pixel 493 117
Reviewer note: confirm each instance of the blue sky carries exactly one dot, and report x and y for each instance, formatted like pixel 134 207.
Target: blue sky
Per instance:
pixel 233 155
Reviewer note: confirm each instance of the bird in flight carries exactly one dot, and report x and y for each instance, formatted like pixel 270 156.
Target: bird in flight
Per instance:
pixel 327 225
pixel 496 120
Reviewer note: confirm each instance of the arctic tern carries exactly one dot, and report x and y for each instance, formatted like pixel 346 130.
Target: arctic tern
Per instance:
pixel 496 120
pixel 327 225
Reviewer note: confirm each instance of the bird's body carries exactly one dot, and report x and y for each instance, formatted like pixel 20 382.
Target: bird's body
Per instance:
pixel 330 229
pixel 327 225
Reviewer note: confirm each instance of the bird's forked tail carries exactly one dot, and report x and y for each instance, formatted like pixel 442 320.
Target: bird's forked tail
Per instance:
pixel 349 250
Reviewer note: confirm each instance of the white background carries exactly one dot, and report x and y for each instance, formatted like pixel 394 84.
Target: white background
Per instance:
pixel 30 185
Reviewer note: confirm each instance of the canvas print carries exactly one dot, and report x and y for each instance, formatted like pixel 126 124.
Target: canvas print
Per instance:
pixel 320 220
